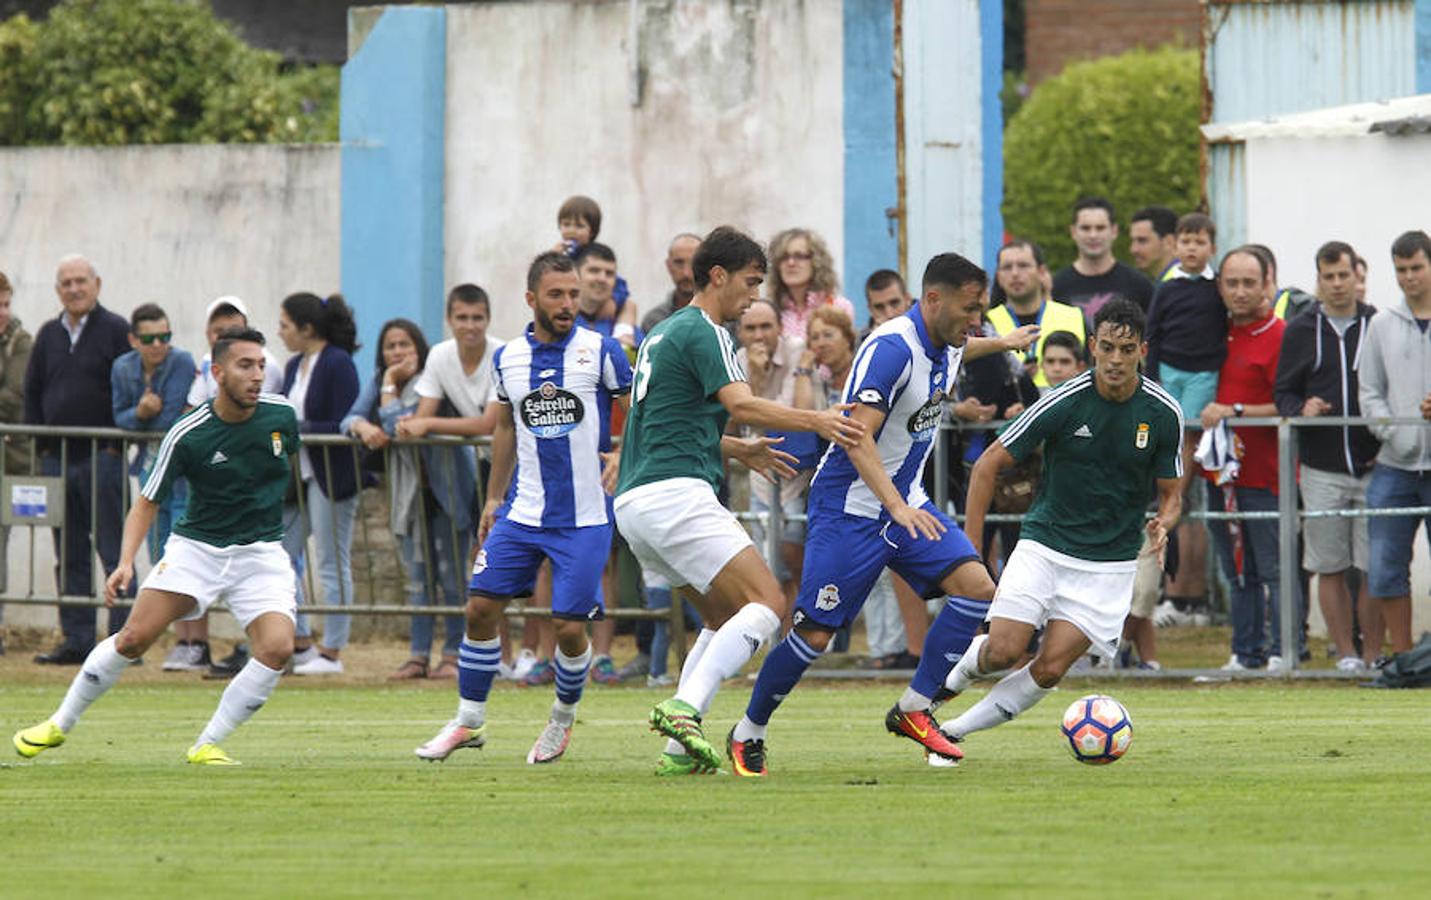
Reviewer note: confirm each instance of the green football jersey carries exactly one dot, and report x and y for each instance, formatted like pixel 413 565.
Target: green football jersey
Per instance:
pixel 675 424
pixel 237 473
pixel 1099 462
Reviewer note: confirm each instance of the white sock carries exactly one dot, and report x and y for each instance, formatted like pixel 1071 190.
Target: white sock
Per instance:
pixel 471 713
pixel 746 730
pixel 1015 693
pixel 244 696
pixel 966 670
pixel 698 649
pixel 735 642
pixel 100 671
pixel 913 701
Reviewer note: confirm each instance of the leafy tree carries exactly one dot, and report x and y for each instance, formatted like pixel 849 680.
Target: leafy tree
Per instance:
pixel 1122 127
pixel 156 72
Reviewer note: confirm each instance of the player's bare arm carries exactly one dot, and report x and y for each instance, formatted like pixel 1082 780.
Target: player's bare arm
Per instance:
pixel 831 424
pixel 136 526
pixel 1170 509
pixel 611 462
pixel 504 458
pixel 865 457
pixel 759 455
pixel 993 460
pixel 1018 339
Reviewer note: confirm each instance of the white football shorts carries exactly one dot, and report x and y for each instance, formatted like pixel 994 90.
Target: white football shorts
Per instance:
pixel 252 579
pixel 679 531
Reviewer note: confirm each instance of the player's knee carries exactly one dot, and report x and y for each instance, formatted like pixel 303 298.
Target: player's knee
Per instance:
pixel 1047 672
pixel 570 636
pixel 273 652
pixel 483 616
pixel 818 638
pixel 1001 652
pixel 132 642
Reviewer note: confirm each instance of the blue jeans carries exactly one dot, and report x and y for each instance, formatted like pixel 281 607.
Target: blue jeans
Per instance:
pixel 448 581
pixel 1392 537
pixel 76 543
pixel 1258 590
pixel 331 524
pixel 170 511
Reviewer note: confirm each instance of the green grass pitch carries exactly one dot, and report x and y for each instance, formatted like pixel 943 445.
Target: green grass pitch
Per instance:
pixel 1255 791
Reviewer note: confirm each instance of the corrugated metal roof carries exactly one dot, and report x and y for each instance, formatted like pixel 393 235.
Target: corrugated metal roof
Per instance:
pixel 1353 119
pixel 1271 59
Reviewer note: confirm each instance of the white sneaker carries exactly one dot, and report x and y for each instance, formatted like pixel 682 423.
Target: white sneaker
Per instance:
pixel 1351 664
pixel 306 655
pixel 1277 664
pixel 659 681
pixel 453 736
pixel 1235 665
pixel 184 658
pixel 522 667
pixel 551 743
pixel 319 665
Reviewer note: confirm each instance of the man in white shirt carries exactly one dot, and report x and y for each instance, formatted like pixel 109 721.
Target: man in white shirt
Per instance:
pixel 459 370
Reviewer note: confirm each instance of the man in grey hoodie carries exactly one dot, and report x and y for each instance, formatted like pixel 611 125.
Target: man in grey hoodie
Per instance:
pixel 1397 341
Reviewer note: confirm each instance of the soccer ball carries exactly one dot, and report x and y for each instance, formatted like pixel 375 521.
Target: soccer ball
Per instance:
pixel 1098 729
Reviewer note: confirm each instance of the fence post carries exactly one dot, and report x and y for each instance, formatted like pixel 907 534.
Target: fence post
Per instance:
pixel 774 521
pixel 1288 525
pixel 941 464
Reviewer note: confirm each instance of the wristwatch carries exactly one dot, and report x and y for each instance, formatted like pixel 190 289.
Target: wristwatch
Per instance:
pixel 1238 409
pixel 804 372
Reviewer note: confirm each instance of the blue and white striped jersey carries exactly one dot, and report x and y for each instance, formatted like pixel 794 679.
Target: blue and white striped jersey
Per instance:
pixel 560 396
pixel 898 371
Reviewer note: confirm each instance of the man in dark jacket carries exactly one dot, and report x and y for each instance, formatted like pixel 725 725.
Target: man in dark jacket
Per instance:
pixel 1317 376
pixel 67 383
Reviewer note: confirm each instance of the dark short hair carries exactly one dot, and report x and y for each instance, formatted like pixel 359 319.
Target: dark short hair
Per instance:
pixel 1332 252
pixel 1094 203
pixel 1123 314
pixel 230 336
pixel 600 251
pixel 470 294
pixel 1262 252
pixel 330 318
pixel 146 312
pixel 731 249
pixel 1163 220
pixel 1033 248
pixel 1265 262
pixel 1068 341
pixel 550 261
pixel 1195 222
pixel 952 271
pixel 583 208
pixel 882 278
pixel 1408 244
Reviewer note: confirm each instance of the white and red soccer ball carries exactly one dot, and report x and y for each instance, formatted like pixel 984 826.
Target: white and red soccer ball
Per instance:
pixel 1097 729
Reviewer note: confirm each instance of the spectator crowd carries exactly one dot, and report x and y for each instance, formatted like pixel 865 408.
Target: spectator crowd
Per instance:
pixel 1224 338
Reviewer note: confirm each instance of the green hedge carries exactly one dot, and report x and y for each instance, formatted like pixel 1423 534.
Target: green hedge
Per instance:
pixel 1123 127
pixel 153 72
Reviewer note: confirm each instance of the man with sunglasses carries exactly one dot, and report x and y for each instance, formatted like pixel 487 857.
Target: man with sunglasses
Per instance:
pixel 149 387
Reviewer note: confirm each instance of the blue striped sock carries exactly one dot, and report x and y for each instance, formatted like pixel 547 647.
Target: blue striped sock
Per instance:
pixel 779 675
pixel 571 675
pixel 477 663
pixel 948 638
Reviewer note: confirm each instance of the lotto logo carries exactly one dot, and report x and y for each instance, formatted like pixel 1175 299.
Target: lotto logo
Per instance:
pixel 828 598
pixel 480 565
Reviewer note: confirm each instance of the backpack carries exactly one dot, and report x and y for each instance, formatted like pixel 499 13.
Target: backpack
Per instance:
pixel 1410 668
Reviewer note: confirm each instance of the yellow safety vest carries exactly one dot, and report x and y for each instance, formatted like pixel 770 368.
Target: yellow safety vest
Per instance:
pixel 1054 316
pixel 1280 309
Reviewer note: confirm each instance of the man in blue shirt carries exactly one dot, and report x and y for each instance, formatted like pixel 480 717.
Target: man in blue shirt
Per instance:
pixel 149 388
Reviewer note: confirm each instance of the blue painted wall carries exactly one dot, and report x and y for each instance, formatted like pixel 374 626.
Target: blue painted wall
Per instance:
pixel 1423 46
pixel 991 40
pixel 871 186
pixel 393 130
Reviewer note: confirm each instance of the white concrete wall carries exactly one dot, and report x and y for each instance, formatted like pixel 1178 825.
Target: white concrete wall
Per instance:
pixel 739 122
pixel 176 225
pixel 1366 190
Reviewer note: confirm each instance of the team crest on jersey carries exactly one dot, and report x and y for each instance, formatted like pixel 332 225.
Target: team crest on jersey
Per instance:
pixel 1141 441
pixel 277 440
pixel 583 357
pixel 480 564
pixel 550 412
pixel 925 420
pixel 828 598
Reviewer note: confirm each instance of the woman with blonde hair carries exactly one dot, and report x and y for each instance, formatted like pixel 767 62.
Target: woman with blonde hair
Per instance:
pixel 803 280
